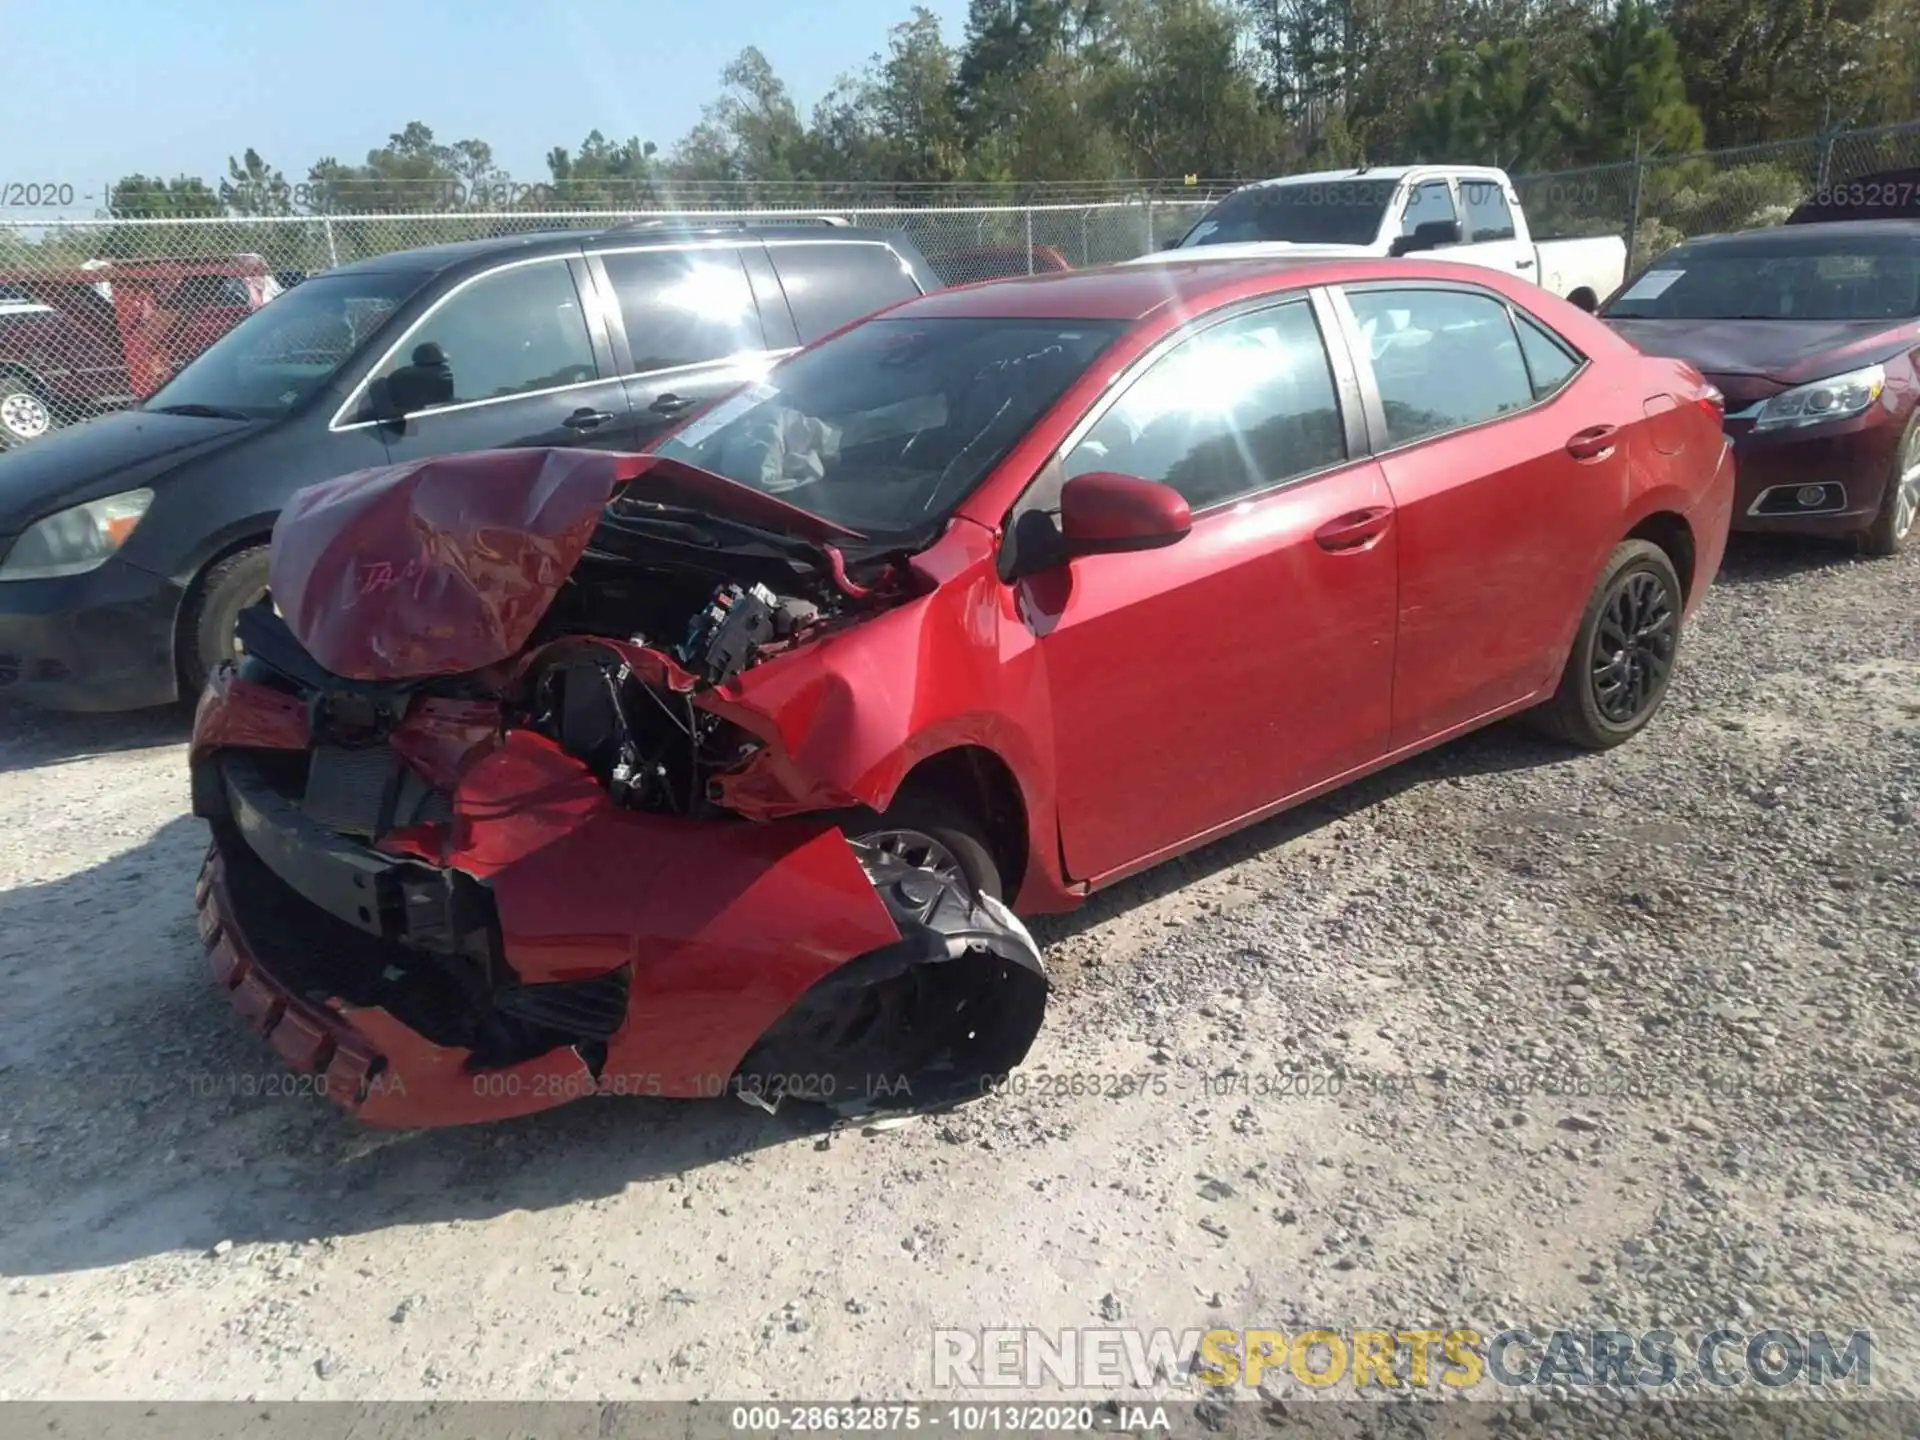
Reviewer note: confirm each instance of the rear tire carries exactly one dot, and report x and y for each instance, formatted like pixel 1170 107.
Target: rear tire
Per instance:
pixel 1893 526
pixel 206 630
pixel 1623 653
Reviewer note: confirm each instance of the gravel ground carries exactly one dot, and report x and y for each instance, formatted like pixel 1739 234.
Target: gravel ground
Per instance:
pixel 1705 941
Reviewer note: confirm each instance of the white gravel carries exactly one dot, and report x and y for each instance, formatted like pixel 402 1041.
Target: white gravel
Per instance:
pixel 1719 918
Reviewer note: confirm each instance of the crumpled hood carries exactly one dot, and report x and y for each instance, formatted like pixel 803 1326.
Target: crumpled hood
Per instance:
pixel 443 566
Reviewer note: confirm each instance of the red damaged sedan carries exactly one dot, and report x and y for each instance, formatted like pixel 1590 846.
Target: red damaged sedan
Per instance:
pixel 724 769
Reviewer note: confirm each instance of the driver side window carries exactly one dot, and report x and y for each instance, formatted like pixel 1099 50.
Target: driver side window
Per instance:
pixel 514 331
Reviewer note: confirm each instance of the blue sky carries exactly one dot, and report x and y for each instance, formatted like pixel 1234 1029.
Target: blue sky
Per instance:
pixel 94 89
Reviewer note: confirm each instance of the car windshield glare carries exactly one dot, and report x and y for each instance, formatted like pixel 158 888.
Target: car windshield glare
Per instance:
pixel 1342 212
pixel 1859 280
pixel 288 349
pixel 887 427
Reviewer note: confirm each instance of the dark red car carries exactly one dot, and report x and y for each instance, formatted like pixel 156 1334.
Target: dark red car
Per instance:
pixel 556 773
pixel 79 341
pixel 1812 331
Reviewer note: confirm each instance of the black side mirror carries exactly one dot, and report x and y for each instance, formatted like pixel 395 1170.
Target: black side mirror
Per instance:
pixel 426 382
pixel 1430 235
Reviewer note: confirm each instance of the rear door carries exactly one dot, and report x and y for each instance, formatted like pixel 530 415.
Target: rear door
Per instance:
pixel 528 366
pixel 829 283
pixel 1195 684
pixel 1505 454
pixel 686 327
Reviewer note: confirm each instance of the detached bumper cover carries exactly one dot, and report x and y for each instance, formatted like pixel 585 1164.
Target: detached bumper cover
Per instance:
pixel 375 969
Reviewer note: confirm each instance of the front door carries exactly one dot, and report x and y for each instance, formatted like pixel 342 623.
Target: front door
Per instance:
pixel 521 351
pixel 1192 685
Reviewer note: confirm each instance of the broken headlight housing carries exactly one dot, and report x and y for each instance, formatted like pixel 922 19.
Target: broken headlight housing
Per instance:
pixel 1838 397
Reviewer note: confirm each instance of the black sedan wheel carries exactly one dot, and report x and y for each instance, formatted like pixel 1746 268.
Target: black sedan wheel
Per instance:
pixel 1622 658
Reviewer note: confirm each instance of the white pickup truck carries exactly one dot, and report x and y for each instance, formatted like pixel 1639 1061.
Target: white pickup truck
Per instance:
pixel 1464 213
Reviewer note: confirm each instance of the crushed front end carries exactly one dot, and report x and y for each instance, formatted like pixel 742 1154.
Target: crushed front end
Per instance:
pixel 514 880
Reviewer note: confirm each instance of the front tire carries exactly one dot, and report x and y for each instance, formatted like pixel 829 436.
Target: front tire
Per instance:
pixel 1893 526
pixel 207 629
pixel 1623 654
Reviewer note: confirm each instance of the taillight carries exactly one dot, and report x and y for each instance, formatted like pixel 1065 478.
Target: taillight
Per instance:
pixel 1713 402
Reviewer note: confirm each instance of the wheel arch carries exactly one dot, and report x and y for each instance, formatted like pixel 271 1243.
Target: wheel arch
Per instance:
pixel 1670 531
pixel 985 784
pixel 245 536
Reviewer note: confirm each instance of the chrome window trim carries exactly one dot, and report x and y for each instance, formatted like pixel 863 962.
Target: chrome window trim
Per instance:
pixel 358 394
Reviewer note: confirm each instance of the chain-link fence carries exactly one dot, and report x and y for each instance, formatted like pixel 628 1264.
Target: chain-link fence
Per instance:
pixel 96 314
pixel 1658 201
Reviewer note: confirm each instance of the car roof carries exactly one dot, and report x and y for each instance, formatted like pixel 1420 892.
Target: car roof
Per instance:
pixel 1390 173
pixel 1134 292
pixel 1808 235
pixel 432 259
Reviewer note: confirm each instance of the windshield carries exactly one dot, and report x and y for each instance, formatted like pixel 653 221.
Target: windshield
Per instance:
pixel 889 426
pixel 1345 212
pixel 1858 279
pixel 289 348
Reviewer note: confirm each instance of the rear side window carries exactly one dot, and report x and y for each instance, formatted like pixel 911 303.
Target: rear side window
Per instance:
pixel 1443 359
pixel 827 285
pixel 1550 364
pixel 1242 406
pixel 684 307
pixel 1488 217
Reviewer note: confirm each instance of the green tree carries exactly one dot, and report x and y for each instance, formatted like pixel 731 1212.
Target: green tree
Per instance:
pixel 253 187
pixel 752 132
pixel 148 197
pixel 1630 84
pixel 1491 105
pixel 412 171
pixel 1762 70
pixel 1179 96
pixel 603 172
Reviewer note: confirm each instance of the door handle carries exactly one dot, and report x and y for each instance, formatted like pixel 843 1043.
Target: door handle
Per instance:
pixel 1355 531
pixel 1593 443
pixel 670 405
pixel 587 419
pixel 1523 264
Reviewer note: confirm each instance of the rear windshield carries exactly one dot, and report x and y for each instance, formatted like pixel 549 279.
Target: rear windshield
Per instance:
pixel 288 349
pixel 888 426
pixel 1343 212
pixel 1819 279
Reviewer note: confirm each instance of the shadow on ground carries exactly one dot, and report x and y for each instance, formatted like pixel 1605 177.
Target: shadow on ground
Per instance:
pixel 32 739
pixel 138 1116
